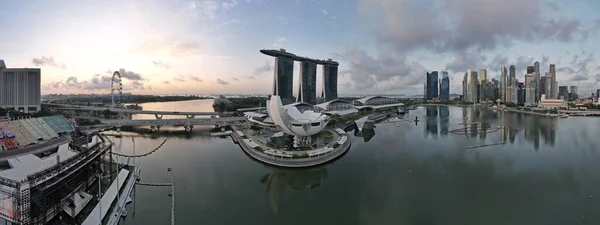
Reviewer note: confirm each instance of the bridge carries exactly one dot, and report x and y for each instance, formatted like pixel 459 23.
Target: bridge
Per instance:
pixel 158 114
pixel 222 121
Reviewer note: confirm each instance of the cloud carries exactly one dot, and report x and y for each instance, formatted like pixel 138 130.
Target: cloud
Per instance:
pixel 279 42
pixel 179 78
pixel 47 61
pixel 235 79
pixel 197 79
pixel 388 71
pixel 136 84
pixel 264 69
pixel 466 60
pixel 324 12
pixel 222 82
pixel 129 75
pixel 166 82
pixel 463 24
pixel 96 82
pixel 229 4
pixel 578 77
pixel 207 8
pixel 161 64
pixel 522 62
pixel 251 77
pixel 175 48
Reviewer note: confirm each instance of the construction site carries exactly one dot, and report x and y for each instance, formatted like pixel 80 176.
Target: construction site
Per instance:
pixel 49 172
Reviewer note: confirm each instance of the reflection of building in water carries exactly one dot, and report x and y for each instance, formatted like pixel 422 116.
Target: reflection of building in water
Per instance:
pixel 533 126
pixel 366 134
pixel 444 119
pixel 278 179
pixel 431 123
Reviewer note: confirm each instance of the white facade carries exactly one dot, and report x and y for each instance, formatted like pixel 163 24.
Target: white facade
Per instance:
pixel 291 121
pixel 20 89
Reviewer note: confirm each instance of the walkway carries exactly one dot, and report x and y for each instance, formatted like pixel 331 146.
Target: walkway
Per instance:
pixel 115 215
pixel 104 205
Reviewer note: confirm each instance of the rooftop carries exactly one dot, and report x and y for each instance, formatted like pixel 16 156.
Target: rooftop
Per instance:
pixel 283 52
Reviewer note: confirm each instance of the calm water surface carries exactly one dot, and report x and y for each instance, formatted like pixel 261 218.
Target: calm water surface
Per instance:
pixel 400 173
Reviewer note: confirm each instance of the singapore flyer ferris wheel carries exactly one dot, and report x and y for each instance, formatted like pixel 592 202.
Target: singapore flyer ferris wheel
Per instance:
pixel 116 89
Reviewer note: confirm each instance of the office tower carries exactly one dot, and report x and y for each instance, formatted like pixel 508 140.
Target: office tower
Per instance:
pixel 554 89
pixel 330 82
pixel 530 90
pixel 20 88
pixel 432 85
pixel 482 74
pixel 513 75
pixel 495 87
pixel 283 78
pixel 503 83
pixel 543 86
pixel 547 87
pixel 521 93
pixel 307 85
pixel 573 93
pixel 464 88
pixel 563 92
pixel 482 89
pixel 444 87
pixel 530 69
pixel 472 86
pixel 598 93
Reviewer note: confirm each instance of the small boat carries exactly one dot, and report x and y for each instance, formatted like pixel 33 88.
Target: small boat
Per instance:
pixel 564 116
pixel 397 125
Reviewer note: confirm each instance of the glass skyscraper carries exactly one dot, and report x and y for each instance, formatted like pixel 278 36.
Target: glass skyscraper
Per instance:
pixel 444 87
pixel 307 90
pixel 283 80
pixel 431 86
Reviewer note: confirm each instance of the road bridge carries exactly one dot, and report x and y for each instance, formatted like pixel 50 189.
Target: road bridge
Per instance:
pixel 158 114
pixel 175 122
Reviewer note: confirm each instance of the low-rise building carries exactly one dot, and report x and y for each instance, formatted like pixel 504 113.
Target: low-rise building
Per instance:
pixel 551 103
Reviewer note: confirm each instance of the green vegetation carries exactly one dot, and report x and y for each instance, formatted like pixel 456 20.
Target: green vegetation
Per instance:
pixel 87 122
pixel 258 148
pixel 336 145
pixel 335 119
pixel 587 106
pixel 325 135
pixel 44 111
pixel 107 100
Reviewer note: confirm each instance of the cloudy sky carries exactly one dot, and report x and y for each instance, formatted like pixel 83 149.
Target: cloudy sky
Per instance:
pixel 383 46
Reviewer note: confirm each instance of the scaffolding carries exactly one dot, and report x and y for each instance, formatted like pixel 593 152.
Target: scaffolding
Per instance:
pixel 41 195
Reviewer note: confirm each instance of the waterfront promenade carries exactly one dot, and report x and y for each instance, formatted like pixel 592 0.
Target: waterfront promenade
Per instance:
pixel 285 160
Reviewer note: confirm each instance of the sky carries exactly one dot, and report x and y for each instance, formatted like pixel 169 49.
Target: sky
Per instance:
pixel 212 47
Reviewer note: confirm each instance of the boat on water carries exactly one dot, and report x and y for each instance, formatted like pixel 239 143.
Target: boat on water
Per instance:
pixel 564 116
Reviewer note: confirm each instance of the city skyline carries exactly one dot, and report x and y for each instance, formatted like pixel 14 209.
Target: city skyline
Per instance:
pixel 201 47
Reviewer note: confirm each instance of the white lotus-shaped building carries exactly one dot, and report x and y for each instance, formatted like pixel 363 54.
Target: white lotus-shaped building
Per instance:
pixel 294 122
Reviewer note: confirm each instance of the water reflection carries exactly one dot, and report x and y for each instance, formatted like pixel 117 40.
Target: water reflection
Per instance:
pixel 366 134
pixel 436 116
pixel 481 123
pixel 277 180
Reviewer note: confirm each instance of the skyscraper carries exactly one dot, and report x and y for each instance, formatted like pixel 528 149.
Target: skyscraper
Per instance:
pixel 563 92
pixel 573 95
pixel 536 76
pixel 464 87
pixel 20 88
pixel 530 69
pixel 330 77
pixel 482 74
pixel 554 92
pixel 530 90
pixel 432 85
pixel 307 85
pixel 283 78
pixel 503 83
pixel 513 75
pixel 472 86
pixel 445 87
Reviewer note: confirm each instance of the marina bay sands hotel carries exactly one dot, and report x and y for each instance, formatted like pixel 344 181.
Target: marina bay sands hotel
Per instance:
pixel 307 90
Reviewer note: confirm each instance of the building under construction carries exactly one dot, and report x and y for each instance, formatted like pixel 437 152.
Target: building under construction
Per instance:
pixel 49 179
